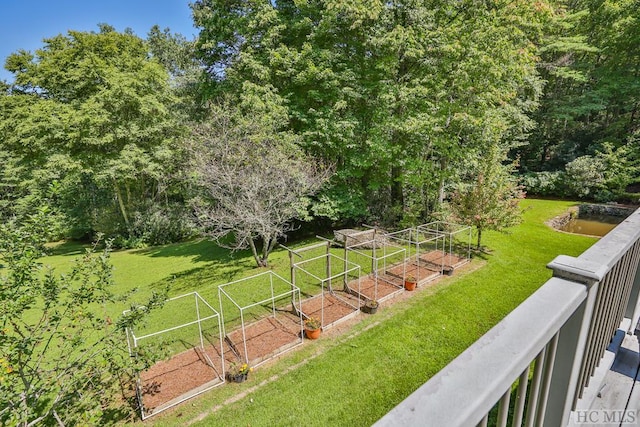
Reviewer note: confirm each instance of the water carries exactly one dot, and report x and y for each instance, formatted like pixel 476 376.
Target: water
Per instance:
pixel 592 225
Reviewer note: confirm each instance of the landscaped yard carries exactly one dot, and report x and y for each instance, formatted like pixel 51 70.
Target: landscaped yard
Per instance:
pixel 354 375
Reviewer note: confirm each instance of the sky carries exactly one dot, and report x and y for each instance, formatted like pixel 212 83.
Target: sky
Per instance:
pixel 24 23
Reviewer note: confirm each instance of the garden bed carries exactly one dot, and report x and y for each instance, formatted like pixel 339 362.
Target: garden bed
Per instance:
pixel 171 381
pixel 265 338
pixel 331 307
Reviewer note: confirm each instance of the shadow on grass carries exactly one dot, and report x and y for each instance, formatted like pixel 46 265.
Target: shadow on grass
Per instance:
pixel 203 250
pixel 213 274
pixel 66 248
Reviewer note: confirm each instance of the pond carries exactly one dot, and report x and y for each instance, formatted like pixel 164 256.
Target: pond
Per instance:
pixel 592 225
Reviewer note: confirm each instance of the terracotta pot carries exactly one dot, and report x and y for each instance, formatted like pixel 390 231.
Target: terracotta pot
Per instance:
pixel 409 285
pixel 312 334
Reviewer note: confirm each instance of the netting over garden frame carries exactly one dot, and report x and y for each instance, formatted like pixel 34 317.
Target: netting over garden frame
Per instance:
pixel 382 262
pixel 330 283
pixel 425 252
pixel 261 317
pixel 457 242
pixel 199 332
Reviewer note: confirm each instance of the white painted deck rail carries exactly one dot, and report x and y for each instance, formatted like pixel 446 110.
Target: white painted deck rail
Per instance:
pixel 544 353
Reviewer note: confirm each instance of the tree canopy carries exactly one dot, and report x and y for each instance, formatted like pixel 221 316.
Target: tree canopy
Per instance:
pixel 88 126
pixel 396 94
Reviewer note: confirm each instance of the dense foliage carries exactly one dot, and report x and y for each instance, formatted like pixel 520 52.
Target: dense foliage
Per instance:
pixel 87 130
pixel 62 358
pixel 591 63
pixel 397 94
pixel 401 96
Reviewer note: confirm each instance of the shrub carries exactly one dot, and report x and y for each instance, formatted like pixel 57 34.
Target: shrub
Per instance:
pixel 585 177
pixel 542 183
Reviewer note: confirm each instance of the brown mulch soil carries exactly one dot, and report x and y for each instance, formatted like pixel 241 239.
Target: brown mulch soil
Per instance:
pixel 267 337
pixel 174 379
pixel 450 260
pixel 379 289
pixel 334 307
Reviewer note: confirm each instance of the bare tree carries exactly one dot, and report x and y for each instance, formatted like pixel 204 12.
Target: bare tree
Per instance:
pixel 252 182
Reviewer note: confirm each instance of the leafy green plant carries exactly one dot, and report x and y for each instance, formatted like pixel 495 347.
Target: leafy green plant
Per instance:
pixel 63 357
pixel 239 369
pixel 312 324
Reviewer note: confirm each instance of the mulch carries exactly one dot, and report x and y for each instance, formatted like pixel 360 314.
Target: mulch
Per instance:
pixel 170 380
pixel 190 372
pixel 266 338
pixel 331 307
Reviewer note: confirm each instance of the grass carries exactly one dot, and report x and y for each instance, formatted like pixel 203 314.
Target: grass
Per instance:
pixel 355 378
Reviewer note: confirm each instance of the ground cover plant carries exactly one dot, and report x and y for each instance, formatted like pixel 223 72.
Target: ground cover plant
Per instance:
pixel 384 357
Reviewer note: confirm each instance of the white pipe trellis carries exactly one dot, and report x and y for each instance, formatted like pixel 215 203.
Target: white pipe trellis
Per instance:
pixel 133 340
pixel 349 268
pixel 292 293
pixel 375 259
pixel 415 240
pixel 450 231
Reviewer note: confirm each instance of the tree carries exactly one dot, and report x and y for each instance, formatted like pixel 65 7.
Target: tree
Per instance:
pixel 394 93
pixel 91 112
pixel 62 359
pixel 591 63
pixel 252 181
pixel 490 199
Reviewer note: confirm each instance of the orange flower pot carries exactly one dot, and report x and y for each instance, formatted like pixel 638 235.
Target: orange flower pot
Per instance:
pixel 410 285
pixel 312 334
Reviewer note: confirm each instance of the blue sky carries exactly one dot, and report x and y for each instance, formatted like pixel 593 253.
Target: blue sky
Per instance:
pixel 24 23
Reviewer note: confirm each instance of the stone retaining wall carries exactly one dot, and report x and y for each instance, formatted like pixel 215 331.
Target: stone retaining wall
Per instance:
pixel 612 210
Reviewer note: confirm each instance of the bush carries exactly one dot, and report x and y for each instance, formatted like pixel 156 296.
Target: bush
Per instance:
pixel 585 178
pixel 543 183
pixel 160 226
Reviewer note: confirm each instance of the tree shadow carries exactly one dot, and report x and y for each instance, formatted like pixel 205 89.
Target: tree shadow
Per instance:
pixel 482 253
pixel 203 250
pixel 66 248
pixel 197 278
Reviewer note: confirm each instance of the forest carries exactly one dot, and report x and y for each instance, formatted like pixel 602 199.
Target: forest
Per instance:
pixel 294 114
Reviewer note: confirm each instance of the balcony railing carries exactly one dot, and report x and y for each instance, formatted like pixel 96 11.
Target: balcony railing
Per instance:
pixel 545 352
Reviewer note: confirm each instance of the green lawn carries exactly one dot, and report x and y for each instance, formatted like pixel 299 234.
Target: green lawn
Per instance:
pixel 355 378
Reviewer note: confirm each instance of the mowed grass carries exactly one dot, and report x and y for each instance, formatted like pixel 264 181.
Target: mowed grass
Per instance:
pixel 356 377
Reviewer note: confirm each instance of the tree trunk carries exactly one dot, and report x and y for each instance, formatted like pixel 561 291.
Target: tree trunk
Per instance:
pixel 443 168
pixel 479 237
pixel 123 210
pixel 259 261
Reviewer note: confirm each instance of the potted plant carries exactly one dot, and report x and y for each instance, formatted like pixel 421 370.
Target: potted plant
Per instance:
pixel 410 283
pixel 238 373
pixel 370 306
pixel 312 328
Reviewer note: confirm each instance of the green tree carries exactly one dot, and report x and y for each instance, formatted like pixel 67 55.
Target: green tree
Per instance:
pixel 490 198
pixel 394 93
pixel 91 112
pixel 590 61
pixel 62 359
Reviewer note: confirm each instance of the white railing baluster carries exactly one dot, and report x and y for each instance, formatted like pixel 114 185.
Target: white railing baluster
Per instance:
pixel 534 393
pixel 503 409
pixel 549 362
pixel 521 398
pixel 565 326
